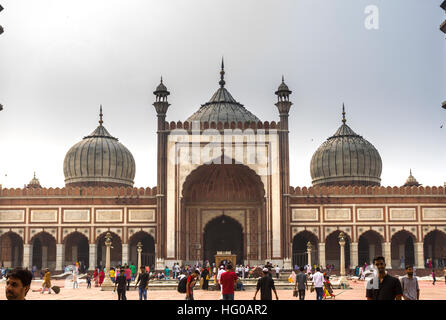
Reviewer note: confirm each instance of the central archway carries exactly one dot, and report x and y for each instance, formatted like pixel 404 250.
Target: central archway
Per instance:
pixel 223 234
pixel 234 191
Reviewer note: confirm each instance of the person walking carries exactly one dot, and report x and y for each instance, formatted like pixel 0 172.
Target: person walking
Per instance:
pixel 220 272
pixel 383 286
pixel 409 284
pixel 133 270
pixel 95 277
pixel 266 284
pixel 318 280
pixel 167 272
pixel 277 269
pixel 101 277
pixel 46 281
pixel 75 276
pixel 190 284
pixel 228 281
pixel 143 280
pixel 205 277
pixel 88 278
pixel 301 283
pixel 128 276
pixel 120 283
pixel 434 279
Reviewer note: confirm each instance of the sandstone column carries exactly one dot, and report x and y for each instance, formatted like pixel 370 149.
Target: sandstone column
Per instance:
pixel 387 254
pixel 93 257
pixel 309 247
pixel 27 256
pixel 108 242
pixel 322 254
pixel 139 250
pixel 60 254
pixel 343 279
pixel 353 254
pixel 125 254
pixel 419 255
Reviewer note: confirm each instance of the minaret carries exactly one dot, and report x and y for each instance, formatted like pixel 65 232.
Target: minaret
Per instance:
pixel 161 106
pixel 283 105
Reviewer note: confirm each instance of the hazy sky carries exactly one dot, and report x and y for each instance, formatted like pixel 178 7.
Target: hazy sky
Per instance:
pixel 61 59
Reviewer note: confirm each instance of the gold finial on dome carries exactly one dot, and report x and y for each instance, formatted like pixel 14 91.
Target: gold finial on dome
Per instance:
pixel 343 114
pixel 100 116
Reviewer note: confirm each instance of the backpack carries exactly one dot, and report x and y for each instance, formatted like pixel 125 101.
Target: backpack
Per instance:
pixel 182 285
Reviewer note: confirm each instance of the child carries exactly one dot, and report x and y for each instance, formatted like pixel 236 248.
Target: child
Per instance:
pixel 88 281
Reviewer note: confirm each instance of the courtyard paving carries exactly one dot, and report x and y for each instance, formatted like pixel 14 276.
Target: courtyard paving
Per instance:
pixel 428 292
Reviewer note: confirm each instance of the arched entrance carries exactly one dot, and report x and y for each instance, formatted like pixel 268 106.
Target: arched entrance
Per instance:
pixel 435 248
pixel 333 250
pixel 369 246
pixel 44 251
pixel 223 234
pixel 231 190
pixel 115 250
pixel 300 256
pixel 11 250
pixel 402 249
pixel 77 249
pixel 148 249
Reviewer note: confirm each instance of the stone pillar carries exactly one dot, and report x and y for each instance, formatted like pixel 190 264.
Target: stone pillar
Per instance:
pixel 27 256
pixel 419 255
pixel 60 254
pixel 108 242
pixel 371 253
pixel 386 250
pixel 342 260
pixel 44 257
pixel 321 247
pixel 16 261
pixel 93 257
pixel 309 247
pixel 139 250
pixel 125 254
pixel 353 254
pixel 74 254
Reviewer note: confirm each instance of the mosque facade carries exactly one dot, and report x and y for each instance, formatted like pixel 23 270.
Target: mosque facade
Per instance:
pixel 223 185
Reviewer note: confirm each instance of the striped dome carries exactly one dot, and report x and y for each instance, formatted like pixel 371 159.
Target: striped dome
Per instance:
pixel 99 160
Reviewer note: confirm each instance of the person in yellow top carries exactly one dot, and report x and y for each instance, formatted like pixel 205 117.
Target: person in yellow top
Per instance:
pixel 112 274
pixel 46 281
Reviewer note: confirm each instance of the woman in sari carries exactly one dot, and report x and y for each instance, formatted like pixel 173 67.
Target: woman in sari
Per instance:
pixel 95 277
pixel 101 277
pixel 328 289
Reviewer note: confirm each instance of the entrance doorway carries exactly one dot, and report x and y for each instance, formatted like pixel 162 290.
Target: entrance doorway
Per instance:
pixel 223 234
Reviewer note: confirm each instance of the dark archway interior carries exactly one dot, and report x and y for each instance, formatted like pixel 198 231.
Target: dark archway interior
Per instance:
pixel 44 251
pixel 11 250
pixel 365 255
pixel 223 234
pixel 148 249
pixel 402 250
pixel 77 249
pixel 300 256
pixel 115 250
pixel 435 248
pixel 333 250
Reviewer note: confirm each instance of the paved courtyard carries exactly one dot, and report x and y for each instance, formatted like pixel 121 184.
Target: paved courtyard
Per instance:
pixel 428 292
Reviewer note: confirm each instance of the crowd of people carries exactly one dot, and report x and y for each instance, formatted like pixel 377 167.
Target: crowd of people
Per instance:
pixel 226 278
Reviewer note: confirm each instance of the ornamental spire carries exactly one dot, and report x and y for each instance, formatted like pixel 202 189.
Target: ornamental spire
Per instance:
pixel 343 114
pixel 100 116
pixel 222 74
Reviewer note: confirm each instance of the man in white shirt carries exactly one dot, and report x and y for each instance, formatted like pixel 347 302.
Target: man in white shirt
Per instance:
pixel 318 280
pixel 277 271
pixel 222 270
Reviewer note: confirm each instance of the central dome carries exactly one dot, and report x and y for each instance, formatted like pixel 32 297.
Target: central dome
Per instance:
pixel 222 107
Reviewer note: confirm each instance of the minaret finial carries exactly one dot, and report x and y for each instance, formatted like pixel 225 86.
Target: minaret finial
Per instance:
pixel 100 116
pixel 343 114
pixel 222 74
pixel 283 79
pixel 410 171
pixel 34 174
pixel 161 79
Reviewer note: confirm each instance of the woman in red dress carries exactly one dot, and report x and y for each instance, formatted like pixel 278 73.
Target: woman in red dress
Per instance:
pixel 95 277
pixel 101 277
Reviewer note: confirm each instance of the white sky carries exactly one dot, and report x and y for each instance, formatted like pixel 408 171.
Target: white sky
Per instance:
pixel 60 59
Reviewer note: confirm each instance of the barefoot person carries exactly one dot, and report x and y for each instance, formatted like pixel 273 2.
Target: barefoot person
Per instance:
pixel 409 284
pixel 46 281
pixel 265 284
pixel 18 282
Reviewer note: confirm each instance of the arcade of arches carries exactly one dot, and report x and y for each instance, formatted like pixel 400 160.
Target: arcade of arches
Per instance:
pixel 223 209
pixel 402 249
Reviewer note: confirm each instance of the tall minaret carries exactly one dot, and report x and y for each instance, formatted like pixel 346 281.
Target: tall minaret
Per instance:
pixel 161 105
pixel 283 105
